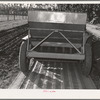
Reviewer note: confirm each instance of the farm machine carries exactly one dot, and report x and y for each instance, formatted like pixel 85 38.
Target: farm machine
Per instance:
pixel 57 37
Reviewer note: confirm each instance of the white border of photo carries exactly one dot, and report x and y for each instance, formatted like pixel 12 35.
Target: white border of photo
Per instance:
pixel 50 94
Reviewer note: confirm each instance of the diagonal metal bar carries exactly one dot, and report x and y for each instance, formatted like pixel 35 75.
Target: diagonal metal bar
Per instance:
pixel 42 41
pixel 70 43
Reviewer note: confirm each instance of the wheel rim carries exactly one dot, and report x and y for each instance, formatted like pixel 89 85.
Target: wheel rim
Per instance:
pixel 23 60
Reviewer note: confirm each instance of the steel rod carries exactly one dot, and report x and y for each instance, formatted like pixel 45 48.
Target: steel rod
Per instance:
pixel 70 43
pixel 83 49
pixel 42 41
pixel 28 40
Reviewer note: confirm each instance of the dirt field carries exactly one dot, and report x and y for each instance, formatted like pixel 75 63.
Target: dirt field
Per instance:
pixel 11 17
pixel 9 50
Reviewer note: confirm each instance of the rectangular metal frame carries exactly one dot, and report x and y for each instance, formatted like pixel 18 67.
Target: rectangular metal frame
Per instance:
pixel 79 56
pixel 76 19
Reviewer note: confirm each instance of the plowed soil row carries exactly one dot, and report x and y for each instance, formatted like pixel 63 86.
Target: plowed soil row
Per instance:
pixel 9 51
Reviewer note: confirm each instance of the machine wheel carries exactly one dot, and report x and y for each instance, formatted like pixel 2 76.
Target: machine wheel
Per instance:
pixel 23 60
pixel 87 64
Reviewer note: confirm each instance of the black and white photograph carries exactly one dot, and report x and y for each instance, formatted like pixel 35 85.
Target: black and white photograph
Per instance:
pixel 49 46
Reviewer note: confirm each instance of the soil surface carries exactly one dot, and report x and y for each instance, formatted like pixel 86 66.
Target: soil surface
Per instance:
pixel 9 67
